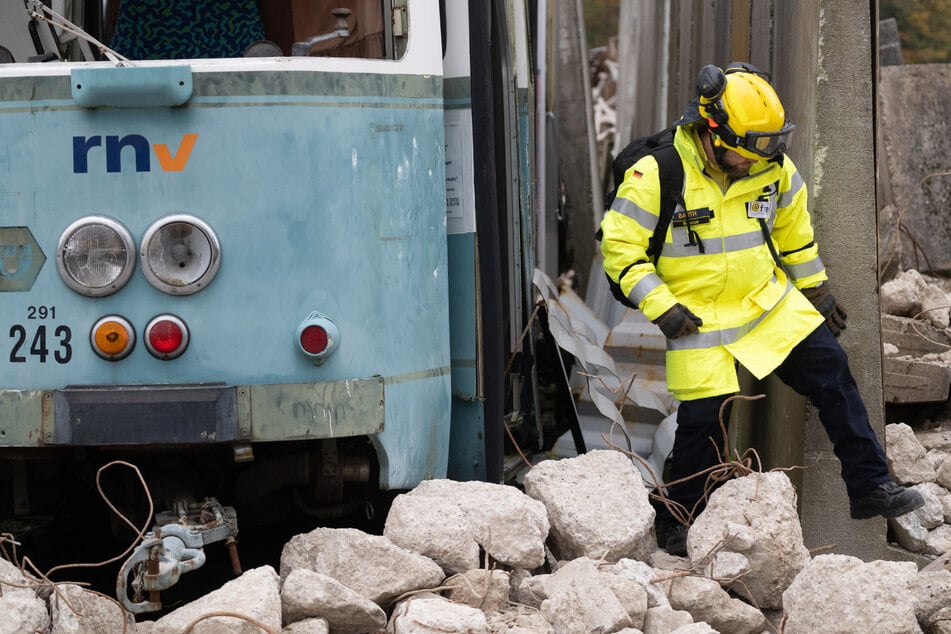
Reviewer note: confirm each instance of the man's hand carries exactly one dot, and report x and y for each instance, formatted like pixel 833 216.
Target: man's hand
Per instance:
pixel 678 321
pixel 826 304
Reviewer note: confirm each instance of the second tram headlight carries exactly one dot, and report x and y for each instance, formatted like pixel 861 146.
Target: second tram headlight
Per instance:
pixel 180 254
pixel 95 256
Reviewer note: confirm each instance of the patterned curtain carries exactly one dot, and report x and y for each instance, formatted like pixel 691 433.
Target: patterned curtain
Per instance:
pixel 186 29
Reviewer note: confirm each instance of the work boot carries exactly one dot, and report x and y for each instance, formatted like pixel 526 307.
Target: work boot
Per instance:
pixel 677 540
pixel 887 500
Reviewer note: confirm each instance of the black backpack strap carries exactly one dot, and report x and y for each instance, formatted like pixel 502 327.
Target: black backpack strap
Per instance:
pixel 671 175
pixel 769 238
pixel 769 243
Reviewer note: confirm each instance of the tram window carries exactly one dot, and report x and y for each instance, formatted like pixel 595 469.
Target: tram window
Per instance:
pixel 234 28
pixel 290 21
pixel 189 29
pixel 195 29
pixel 25 39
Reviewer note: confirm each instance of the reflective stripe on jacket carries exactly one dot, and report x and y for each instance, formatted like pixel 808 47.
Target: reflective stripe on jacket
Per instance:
pixel 716 262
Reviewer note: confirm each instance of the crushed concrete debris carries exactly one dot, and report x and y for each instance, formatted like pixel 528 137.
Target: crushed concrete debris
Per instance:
pixel 912 294
pixel 928 529
pixel 914 376
pixel 347 581
pixel 916 338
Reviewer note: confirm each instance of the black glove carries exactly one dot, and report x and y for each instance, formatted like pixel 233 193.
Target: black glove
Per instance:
pixel 825 303
pixel 678 321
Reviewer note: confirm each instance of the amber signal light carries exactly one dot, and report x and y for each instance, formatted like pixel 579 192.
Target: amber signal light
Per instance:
pixel 112 337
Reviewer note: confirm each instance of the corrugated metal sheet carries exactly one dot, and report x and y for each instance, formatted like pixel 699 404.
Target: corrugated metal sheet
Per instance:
pixel 619 380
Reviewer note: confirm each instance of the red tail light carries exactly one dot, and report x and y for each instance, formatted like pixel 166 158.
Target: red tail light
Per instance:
pixel 166 337
pixel 313 339
pixel 317 337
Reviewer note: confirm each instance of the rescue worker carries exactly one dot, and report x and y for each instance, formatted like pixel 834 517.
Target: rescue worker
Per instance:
pixel 720 296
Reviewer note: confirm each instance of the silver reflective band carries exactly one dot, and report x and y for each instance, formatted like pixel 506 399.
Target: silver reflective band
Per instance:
pixel 713 246
pixel 805 269
pixel 644 286
pixel 638 214
pixel 726 336
pixel 786 197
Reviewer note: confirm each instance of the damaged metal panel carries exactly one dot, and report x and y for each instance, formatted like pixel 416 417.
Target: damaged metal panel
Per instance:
pixel 622 404
pixel 316 410
pixel 21 413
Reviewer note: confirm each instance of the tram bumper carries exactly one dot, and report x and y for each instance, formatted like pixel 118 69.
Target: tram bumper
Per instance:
pixel 202 413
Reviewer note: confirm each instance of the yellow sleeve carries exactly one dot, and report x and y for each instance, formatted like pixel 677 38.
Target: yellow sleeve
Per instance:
pixel 627 228
pixel 793 231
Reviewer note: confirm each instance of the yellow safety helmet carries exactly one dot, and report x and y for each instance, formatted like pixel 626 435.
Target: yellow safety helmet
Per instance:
pixel 743 111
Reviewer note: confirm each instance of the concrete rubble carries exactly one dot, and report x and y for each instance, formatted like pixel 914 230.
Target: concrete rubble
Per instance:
pixel 916 310
pixel 917 361
pixel 747 570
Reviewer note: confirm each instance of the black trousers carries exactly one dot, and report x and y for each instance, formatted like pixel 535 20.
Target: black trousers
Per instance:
pixel 817 368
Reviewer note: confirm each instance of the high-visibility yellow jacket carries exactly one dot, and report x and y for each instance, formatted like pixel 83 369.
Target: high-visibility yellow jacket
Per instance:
pixel 718 265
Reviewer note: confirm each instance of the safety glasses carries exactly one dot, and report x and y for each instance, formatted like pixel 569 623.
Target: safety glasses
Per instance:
pixel 765 144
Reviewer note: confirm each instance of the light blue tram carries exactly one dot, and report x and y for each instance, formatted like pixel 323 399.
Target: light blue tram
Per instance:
pixel 268 252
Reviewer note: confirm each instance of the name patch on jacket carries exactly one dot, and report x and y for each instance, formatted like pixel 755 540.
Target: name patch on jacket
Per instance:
pixel 759 209
pixel 684 217
pixel 762 207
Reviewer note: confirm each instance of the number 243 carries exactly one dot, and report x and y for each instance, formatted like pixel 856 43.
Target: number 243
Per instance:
pixel 38 347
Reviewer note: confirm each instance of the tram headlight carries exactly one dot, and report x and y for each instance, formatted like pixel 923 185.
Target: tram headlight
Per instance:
pixel 112 337
pixel 95 256
pixel 180 254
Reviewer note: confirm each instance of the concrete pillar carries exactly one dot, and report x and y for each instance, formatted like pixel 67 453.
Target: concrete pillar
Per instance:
pixel 577 157
pixel 843 188
pixel 629 48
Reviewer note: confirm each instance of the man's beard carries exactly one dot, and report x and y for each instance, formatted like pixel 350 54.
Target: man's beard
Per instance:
pixel 733 171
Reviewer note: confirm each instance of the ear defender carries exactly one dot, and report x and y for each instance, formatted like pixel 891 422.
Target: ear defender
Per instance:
pixel 711 82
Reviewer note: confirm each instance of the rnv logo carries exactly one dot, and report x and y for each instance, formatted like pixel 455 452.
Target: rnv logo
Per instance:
pixel 169 162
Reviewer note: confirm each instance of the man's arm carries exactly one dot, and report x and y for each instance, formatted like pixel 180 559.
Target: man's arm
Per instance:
pixel 793 232
pixel 626 232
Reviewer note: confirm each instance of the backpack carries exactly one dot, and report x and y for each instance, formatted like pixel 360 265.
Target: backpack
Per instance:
pixel 671 175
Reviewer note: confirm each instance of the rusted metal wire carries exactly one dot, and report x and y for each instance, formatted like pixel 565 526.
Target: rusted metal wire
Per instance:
pixel 727 469
pixel 139 531
pixel 243 617
pixel 39 579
